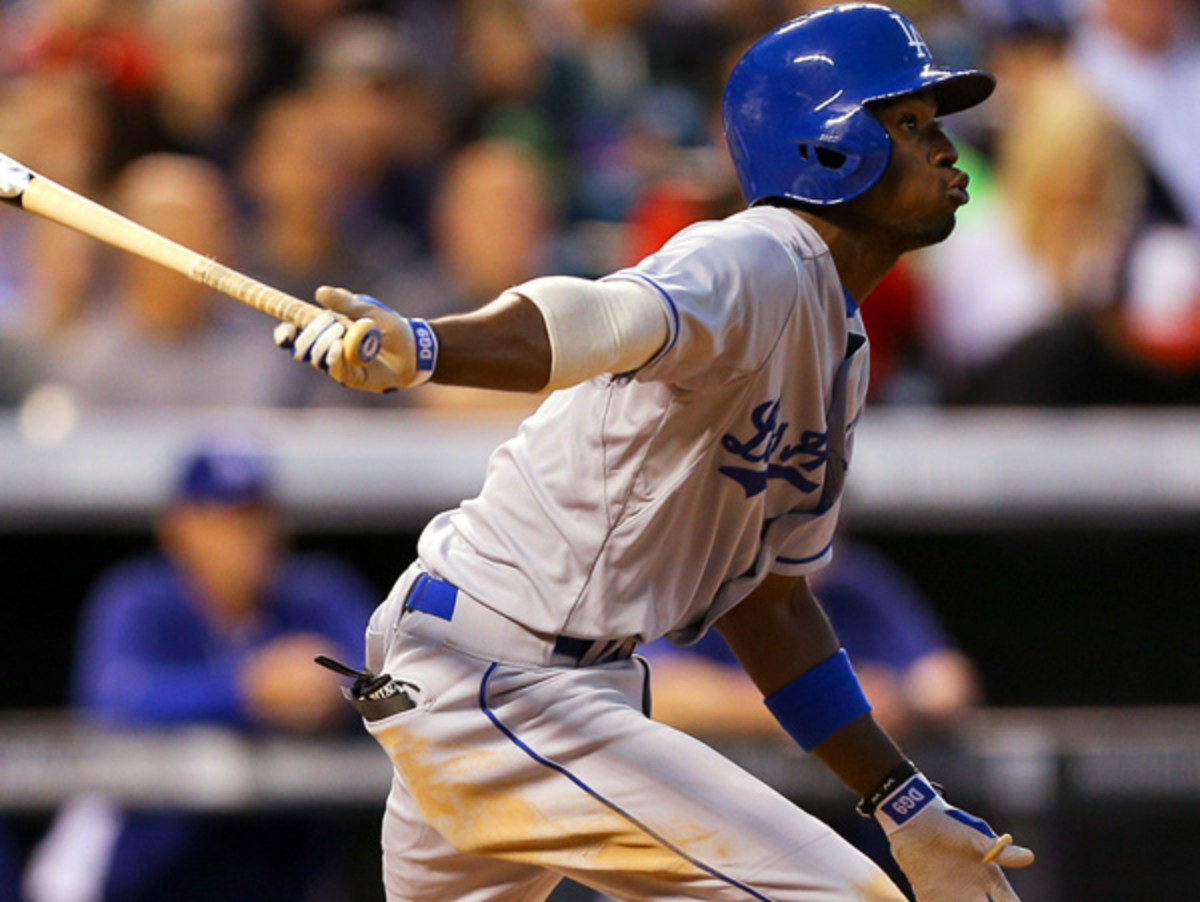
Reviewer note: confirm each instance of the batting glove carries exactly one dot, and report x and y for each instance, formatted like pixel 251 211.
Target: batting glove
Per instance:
pixel 406 358
pixel 946 854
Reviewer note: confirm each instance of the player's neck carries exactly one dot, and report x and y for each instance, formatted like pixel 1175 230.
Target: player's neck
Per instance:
pixel 861 261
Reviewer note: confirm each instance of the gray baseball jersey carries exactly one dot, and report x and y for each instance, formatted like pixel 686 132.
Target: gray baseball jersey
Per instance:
pixel 652 502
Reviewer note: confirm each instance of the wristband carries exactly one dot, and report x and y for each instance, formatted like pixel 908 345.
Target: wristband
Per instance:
pixel 426 342
pixel 819 702
pixel 867 804
pixel 906 801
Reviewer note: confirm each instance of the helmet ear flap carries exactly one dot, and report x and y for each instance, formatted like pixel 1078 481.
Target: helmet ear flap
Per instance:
pixel 823 155
pixel 832 170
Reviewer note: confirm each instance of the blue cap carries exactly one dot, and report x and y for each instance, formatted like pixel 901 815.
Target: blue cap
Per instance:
pixel 224 473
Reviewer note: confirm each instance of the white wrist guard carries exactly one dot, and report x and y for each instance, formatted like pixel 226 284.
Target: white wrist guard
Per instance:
pixel 596 327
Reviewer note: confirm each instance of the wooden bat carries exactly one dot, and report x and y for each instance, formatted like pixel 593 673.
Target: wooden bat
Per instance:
pixel 24 188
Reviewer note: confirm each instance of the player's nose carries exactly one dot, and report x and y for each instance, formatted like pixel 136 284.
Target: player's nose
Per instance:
pixel 942 152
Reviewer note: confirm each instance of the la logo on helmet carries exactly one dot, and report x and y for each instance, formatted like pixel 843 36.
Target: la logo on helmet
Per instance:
pixel 914 37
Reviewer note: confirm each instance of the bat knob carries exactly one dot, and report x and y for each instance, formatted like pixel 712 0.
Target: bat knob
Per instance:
pixel 14 178
pixel 363 342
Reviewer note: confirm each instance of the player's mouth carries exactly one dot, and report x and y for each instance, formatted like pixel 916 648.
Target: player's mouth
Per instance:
pixel 956 190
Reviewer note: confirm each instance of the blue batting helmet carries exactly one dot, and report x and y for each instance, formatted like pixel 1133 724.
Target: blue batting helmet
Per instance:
pixel 795 105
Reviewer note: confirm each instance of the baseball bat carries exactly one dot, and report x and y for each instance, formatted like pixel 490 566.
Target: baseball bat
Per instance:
pixel 24 188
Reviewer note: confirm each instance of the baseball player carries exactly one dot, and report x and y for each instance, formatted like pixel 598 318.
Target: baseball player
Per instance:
pixel 685 474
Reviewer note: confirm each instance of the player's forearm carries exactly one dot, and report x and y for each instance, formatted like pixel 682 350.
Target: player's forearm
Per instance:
pixel 860 754
pixel 783 638
pixel 503 346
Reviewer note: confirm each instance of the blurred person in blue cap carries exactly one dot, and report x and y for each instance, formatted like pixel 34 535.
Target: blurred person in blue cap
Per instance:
pixel 218 625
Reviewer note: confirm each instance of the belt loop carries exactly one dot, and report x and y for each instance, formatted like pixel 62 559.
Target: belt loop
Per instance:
pixel 432 596
pixel 428 595
pixel 574 650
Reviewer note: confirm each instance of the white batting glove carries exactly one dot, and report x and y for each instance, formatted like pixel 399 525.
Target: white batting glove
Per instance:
pixel 406 359
pixel 946 854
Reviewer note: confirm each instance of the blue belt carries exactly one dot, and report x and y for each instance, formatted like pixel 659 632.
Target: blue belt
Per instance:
pixel 436 597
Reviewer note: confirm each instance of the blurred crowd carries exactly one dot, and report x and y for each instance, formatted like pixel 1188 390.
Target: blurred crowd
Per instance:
pixel 435 152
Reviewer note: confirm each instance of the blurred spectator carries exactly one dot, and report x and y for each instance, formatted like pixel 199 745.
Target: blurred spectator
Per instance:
pixel 894 316
pixel 379 95
pixel 601 74
pixel 1020 43
pixel 293 173
pixel 492 221
pixel 492 228
pixel 161 339
pixel 500 57
pixel 52 122
pixel 286 32
pixel 218 626
pixel 685 180
pixel 1142 350
pixel 338 119
pixel 100 41
pixel 1142 60
pixel 918 681
pixel 1043 235
pixel 203 54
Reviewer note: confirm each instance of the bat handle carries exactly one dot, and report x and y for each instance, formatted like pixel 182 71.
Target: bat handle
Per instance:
pixel 363 342
pixel 363 339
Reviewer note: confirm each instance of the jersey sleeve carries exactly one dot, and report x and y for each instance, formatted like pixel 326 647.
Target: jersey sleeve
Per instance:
pixel 729 289
pixel 807 545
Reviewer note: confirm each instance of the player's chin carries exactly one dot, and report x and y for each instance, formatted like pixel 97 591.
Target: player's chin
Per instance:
pixel 943 231
pixel 932 230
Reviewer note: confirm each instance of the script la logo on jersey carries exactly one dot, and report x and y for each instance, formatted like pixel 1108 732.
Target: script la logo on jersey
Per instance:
pixel 766 446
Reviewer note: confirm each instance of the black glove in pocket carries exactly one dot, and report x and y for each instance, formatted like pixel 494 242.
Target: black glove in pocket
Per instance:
pixel 376 696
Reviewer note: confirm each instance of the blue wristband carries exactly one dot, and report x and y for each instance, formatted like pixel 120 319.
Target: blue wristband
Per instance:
pixel 427 349
pixel 819 702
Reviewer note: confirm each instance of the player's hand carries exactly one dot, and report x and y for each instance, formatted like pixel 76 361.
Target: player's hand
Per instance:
pixel 281 689
pixel 320 343
pixel 946 854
